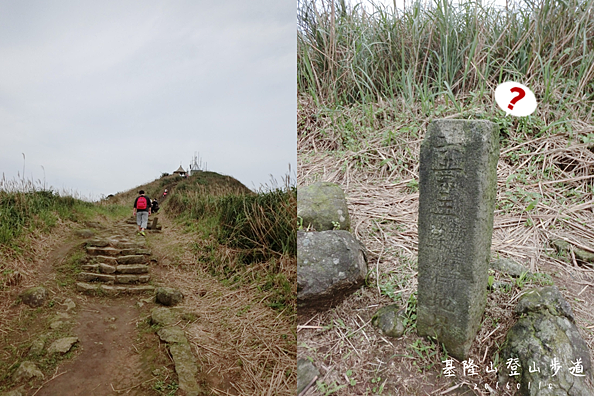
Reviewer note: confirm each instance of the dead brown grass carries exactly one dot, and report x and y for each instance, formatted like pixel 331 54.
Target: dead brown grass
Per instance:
pixel 244 347
pixel 378 171
pixel 21 270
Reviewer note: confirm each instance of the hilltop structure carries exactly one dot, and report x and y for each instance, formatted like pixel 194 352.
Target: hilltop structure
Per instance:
pixel 194 167
pixel 180 171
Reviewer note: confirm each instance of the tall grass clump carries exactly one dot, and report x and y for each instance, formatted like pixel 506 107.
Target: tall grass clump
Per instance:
pixel 245 237
pixel 264 221
pixel 26 208
pixel 436 50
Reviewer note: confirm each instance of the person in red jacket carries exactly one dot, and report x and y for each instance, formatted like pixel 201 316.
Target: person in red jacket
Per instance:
pixel 141 209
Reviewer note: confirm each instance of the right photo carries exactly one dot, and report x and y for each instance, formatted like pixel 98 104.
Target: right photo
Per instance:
pixel 445 185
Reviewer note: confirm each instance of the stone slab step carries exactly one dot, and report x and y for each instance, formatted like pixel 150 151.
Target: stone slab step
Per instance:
pixel 109 260
pixel 98 242
pixel 85 276
pixel 132 259
pixel 118 289
pixel 105 251
pixel 110 269
pixel 112 279
pixel 135 251
pixel 132 278
pixel 124 243
pixel 113 290
pixel 132 269
pixel 93 268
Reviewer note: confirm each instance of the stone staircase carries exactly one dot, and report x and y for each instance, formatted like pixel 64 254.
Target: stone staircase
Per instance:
pixel 115 265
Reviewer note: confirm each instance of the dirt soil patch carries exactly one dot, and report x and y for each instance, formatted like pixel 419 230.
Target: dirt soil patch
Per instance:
pixel 107 361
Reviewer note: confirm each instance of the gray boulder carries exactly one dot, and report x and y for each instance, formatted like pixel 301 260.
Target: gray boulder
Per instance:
pixel 331 265
pixel 62 345
pixel 323 205
pixel 168 296
pixel 306 373
pixel 26 371
pixel 163 316
pixel 186 368
pixel 508 266
pixel 389 320
pixel 545 334
pixel 37 346
pixel 34 297
pixel 172 335
pixel 563 248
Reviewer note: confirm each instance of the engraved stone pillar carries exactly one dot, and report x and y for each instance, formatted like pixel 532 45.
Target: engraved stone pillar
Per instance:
pixel 457 192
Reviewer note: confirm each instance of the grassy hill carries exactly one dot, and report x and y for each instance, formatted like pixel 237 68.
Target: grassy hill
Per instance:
pixel 205 182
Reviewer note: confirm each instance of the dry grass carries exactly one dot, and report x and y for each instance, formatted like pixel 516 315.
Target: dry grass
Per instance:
pixel 244 347
pixel 544 191
pixel 21 270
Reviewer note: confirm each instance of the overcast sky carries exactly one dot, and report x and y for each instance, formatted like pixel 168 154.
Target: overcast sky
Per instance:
pixel 103 96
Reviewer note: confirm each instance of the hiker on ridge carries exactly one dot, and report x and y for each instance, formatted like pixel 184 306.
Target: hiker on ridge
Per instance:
pixel 141 210
pixel 154 206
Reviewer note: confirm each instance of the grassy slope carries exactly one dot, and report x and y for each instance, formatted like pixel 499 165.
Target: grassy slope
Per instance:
pixel 368 86
pixel 242 236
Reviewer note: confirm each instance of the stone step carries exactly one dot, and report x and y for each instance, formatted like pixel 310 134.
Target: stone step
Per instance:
pixel 110 269
pixel 118 289
pixel 112 290
pixel 132 259
pixel 105 251
pixel 132 269
pixel 132 278
pixel 122 260
pixel 124 242
pixel 98 242
pixel 113 278
pixel 91 267
pixel 109 260
pixel 114 252
pixel 85 276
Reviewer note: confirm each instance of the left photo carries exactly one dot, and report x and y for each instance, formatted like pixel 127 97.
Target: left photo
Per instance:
pixel 148 198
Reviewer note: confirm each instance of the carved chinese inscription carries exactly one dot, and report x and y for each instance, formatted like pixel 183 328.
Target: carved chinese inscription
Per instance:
pixel 457 191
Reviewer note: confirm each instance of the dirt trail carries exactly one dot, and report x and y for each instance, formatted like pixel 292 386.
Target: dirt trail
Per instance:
pixel 107 362
pixel 118 353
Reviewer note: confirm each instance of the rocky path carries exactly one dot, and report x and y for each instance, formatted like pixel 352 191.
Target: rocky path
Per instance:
pixel 115 294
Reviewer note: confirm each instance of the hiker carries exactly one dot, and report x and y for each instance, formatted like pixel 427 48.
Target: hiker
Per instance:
pixel 155 206
pixel 165 193
pixel 141 210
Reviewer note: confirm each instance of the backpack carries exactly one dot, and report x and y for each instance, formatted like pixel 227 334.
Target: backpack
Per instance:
pixel 141 204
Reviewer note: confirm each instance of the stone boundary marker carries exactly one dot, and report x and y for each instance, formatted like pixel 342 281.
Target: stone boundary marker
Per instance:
pixel 457 193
